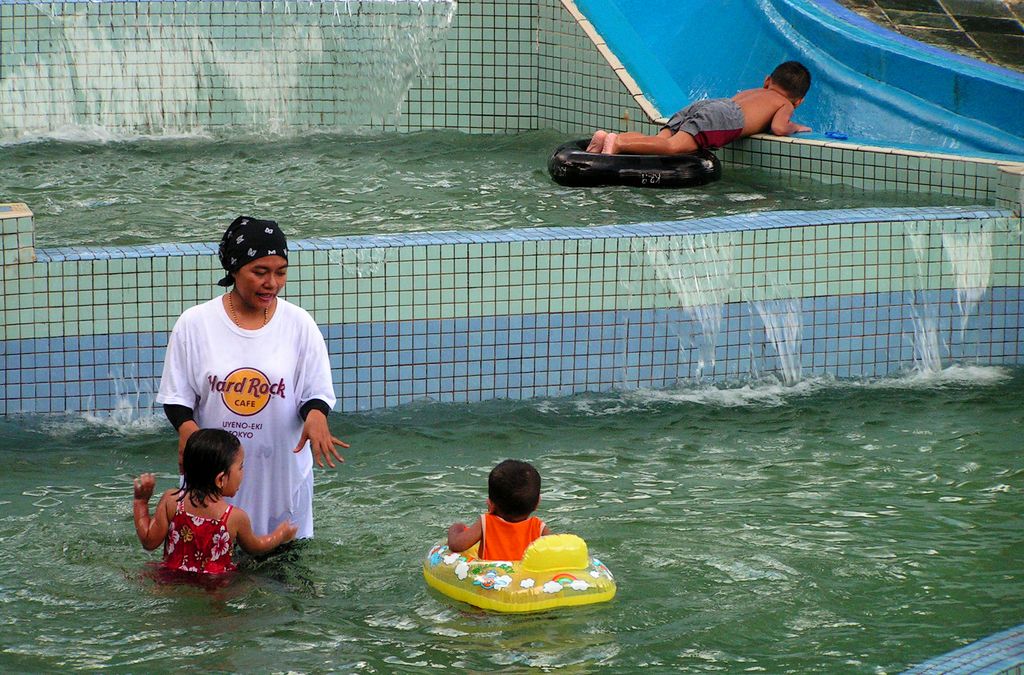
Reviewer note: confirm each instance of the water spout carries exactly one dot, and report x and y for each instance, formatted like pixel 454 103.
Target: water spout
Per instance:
pixel 970 254
pixel 287 66
pixel 927 342
pixel 924 312
pixel 783 325
pixel 698 271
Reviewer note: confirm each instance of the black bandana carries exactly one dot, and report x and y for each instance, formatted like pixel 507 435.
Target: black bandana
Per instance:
pixel 247 239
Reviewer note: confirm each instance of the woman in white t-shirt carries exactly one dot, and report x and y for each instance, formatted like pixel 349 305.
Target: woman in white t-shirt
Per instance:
pixel 256 365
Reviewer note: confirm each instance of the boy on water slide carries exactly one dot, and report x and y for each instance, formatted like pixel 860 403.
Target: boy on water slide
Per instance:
pixel 713 123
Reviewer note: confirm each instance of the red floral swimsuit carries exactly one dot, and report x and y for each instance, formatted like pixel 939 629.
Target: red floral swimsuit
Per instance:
pixel 198 544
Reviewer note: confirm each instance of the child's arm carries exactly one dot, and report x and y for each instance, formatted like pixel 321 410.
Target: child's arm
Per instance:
pixel 783 125
pixel 243 534
pixel 462 536
pixel 151 530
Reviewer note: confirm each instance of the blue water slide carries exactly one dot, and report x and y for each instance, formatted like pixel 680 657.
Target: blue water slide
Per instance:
pixel 874 85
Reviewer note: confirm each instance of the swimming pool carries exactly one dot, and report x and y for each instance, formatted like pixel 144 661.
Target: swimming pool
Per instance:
pixel 330 185
pixel 830 527
pixel 547 311
pixel 708 308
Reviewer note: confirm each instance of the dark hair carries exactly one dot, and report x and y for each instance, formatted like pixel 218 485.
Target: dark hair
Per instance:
pixel 514 488
pixel 208 453
pixel 794 77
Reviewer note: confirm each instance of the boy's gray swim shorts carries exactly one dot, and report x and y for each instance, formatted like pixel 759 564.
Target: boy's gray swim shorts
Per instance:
pixel 712 122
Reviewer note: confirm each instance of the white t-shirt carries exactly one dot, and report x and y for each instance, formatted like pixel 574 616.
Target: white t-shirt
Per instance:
pixel 252 384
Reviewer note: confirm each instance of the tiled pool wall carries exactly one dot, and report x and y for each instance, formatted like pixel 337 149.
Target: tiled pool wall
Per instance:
pixel 538 312
pixel 543 312
pixel 999 654
pixel 155 66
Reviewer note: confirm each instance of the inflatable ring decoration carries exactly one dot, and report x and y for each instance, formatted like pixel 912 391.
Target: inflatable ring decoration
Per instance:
pixel 571 165
pixel 556 571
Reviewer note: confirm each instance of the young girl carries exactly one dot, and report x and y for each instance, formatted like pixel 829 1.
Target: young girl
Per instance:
pixel 196 526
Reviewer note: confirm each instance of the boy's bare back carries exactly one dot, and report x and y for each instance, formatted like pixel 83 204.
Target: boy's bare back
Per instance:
pixel 767 109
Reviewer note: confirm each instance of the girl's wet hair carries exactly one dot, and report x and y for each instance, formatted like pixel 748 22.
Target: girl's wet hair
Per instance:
pixel 514 488
pixel 208 453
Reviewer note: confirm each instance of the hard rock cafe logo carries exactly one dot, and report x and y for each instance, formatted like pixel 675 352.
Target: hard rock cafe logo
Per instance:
pixel 246 391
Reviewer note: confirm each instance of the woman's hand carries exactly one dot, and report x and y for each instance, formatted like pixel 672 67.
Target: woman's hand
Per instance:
pixel 321 442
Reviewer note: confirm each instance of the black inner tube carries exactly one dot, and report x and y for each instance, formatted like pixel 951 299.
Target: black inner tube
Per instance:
pixel 571 165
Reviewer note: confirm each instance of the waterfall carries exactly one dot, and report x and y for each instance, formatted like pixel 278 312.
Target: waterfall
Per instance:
pixel 182 67
pixel 783 325
pixel 698 271
pixel 970 254
pixel 360 262
pixel 132 402
pixel 928 344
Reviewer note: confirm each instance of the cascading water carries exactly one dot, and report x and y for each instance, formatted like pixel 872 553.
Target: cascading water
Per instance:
pixel 134 401
pixel 970 254
pixel 928 344
pixel 783 326
pixel 699 270
pixel 186 67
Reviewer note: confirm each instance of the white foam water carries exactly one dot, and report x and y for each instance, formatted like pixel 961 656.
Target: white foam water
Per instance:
pixel 170 73
pixel 770 392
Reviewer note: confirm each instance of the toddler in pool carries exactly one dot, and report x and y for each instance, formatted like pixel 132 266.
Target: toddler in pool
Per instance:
pixel 197 527
pixel 504 532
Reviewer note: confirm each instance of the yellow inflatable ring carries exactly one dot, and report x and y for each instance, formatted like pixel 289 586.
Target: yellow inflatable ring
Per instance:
pixel 556 571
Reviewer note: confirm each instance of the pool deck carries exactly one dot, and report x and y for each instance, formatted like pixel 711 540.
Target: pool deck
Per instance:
pixel 988 30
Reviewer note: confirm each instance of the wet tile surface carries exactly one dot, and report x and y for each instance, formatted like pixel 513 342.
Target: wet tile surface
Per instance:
pixel 989 30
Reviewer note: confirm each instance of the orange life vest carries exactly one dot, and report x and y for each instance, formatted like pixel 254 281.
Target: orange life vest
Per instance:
pixel 502 540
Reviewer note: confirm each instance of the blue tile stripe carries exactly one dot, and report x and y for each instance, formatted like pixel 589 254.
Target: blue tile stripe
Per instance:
pixel 395 333
pixel 377 364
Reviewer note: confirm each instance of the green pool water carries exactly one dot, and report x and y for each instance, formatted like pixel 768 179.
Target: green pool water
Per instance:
pixel 148 191
pixel 822 528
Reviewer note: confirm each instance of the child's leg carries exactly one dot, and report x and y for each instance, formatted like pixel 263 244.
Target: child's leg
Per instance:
pixel 665 143
pixel 612 140
pixel 597 141
pixel 602 141
pixel 636 135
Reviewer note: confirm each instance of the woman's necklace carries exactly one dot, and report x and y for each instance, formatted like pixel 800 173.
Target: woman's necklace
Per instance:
pixel 234 316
